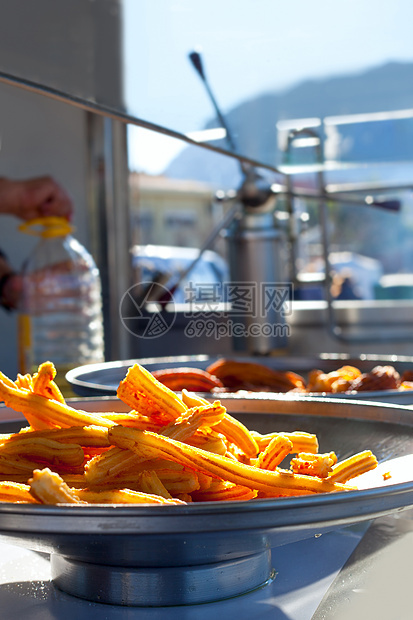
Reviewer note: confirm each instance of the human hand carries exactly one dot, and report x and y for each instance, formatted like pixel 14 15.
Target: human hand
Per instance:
pixel 32 198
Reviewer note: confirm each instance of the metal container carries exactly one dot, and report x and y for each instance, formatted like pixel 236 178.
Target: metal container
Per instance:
pixel 260 291
pixel 186 554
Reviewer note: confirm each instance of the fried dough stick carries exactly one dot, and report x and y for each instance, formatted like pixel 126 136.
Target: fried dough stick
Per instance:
pixel 175 481
pixel 197 417
pixel 85 436
pixel 16 493
pixel 43 382
pixel 145 442
pixel 149 482
pixel 276 451
pixel 134 419
pixel 320 465
pixel 302 442
pixel 353 466
pixel 108 466
pixel 221 490
pixel 116 461
pixel 233 429
pixel 41 412
pixel 24 382
pixel 141 391
pixel 49 488
pixel 42 449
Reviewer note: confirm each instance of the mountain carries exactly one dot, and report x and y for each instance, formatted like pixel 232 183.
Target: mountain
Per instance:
pixel 253 123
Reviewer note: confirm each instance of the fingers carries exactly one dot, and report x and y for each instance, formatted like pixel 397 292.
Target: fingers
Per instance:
pixel 32 198
pixel 44 197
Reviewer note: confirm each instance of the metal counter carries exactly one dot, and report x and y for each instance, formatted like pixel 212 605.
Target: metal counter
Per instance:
pixel 350 573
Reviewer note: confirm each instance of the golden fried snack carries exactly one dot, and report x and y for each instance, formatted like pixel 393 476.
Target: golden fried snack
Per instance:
pixel 193 379
pixel 320 465
pixel 234 431
pixel 223 491
pixel 19 478
pixel 16 493
pixel 134 419
pixel 49 488
pixel 238 433
pixel 210 441
pixel 406 385
pixel 192 400
pixel 74 481
pixel 141 391
pixel 186 425
pixel 41 412
pixel 353 466
pixel 43 382
pixel 302 442
pixel 215 465
pixel 85 436
pixel 336 381
pixel 275 452
pixel 112 463
pixel 380 378
pixel 24 382
pixel 8 382
pixel 42 450
pixel 178 482
pixel 116 462
pixel 204 480
pixel 230 427
pixel 175 481
pixel 121 496
pixel 251 376
pixel 148 481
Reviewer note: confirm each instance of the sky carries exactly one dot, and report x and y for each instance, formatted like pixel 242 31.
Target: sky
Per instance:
pixel 248 47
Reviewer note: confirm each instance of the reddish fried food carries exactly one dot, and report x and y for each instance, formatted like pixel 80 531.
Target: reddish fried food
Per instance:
pixel 193 379
pixel 380 378
pixel 407 376
pixel 252 376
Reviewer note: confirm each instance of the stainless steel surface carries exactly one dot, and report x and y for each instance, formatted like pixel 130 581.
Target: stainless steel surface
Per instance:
pixel 195 536
pixel 375 580
pixel 303 574
pixel 103 379
pixel 258 258
pixel 393 319
pixel 161 587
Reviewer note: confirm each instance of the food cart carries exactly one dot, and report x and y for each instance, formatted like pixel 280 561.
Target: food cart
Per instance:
pixel 293 558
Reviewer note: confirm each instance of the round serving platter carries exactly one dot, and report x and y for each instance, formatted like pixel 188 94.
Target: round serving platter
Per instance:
pixel 103 379
pixel 185 554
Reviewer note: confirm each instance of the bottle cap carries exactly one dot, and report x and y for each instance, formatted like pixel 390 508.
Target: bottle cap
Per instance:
pixel 45 227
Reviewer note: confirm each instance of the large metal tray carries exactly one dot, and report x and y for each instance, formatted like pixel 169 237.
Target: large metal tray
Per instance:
pixel 103 379
pixel 185 554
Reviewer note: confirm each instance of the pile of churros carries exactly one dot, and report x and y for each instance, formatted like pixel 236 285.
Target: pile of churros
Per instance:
pixel 168 449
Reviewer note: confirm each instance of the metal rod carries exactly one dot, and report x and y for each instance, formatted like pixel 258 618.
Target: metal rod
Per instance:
pixel 109 112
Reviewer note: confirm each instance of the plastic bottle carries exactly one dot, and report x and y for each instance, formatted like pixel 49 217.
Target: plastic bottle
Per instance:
pixel 60 318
